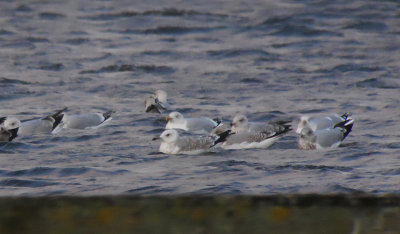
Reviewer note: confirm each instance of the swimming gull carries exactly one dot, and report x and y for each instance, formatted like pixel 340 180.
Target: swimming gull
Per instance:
pixel 325 138
pixel 318 123
pixel 245 135
pixel 172 143
pixel 200 125
pixel 48 124
pixel 157 102
pixel 87 121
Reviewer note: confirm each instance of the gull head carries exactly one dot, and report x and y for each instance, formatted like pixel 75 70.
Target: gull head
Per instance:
pixel 11 123
pixel 175 117
pixel 169 136
pixel 307 134
pixel 302 123
pixel 239 123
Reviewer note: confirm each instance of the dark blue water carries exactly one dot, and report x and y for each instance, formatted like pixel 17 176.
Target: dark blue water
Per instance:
pixel 265 59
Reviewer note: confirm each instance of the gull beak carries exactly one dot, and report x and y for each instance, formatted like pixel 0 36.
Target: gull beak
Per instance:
pixel 13 134
pixel 168 118
pixel 156 138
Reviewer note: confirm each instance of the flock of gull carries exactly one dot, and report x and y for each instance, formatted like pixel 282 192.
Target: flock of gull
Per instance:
pixel 206 133
pixel 196 135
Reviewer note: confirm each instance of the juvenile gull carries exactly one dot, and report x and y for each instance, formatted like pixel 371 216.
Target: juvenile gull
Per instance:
pixel 245 135
pixel 48 124
pixel 157 102
pixel 195 125
pixel 172 143
pixel 325 138
pixel 9 127
pixel 318 123
pixel 87 121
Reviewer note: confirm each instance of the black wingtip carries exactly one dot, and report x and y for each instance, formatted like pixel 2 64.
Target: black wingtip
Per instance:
pixel 221 137
pixel 57 116
pixel 107 114
pixel 57 120
pixel 218 121
pixel 152 108
pixel 286 129
pixel 347 125
pixel 14 133
pixel 345 115
pixel 2 119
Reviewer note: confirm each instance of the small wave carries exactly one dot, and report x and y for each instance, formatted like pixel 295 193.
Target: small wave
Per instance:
pixel 19 44
pixel 5 32
pixel 359 155
pixel 37 40
pixel 132 68
pixel 301 30
pixel 345 189
pixel 171 30
pixel 229 165
pixel 320 168
pixel 173 12
pixel 4 80
pixel 51 67
pixel 32 172
pixel 150 190
pixel 51 16
pixel 23 8
pixel 378 83
pixel 26 183
pixel 76 41
pixel 231 189
pixel 240 52
pixel 73 171
pixel 351 67
pixel 391 172
pixel 367 26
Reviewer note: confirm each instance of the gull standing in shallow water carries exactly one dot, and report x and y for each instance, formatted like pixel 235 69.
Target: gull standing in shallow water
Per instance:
pixel 48 124
pixel 201 125
pixel 245 135
pixel 157 102
pixel 172 143
pixel 318 123
pixel 87 121
pixel 9 127
pixel 325 138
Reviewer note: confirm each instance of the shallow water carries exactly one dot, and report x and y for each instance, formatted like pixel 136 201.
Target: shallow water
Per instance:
pixel 266 59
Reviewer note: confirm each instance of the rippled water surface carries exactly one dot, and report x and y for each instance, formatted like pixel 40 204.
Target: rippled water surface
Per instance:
pixel 266 59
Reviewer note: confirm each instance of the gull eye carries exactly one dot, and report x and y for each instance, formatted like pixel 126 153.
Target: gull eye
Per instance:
pixel 168 135
pixel 241 120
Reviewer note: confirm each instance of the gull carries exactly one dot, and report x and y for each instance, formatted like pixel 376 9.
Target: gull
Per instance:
pixel 194 125
pixel 245 135
pixel 172 143
pixel 48 124
pixel 87 121
pixel 325 138
pixel 9 128
pixel 157 102
pixel 317 123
